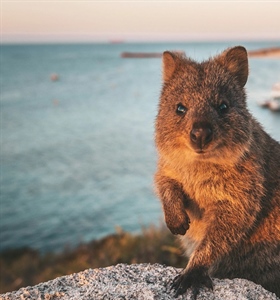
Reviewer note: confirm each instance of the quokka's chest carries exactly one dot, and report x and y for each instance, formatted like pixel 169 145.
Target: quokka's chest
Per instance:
pixel 211 184
pixel 198 183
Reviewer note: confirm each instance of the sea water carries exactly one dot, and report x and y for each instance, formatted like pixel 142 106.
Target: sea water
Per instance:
pixel 78 154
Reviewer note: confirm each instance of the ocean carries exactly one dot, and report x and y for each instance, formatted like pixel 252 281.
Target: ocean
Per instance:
pixel 78 154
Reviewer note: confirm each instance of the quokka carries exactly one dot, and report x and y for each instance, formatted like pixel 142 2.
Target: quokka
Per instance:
pixel 218 173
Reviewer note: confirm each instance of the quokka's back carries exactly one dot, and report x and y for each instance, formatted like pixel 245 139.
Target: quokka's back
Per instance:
pixel 218 173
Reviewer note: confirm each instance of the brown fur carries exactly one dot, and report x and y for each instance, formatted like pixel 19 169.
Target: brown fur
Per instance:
pixel 218 173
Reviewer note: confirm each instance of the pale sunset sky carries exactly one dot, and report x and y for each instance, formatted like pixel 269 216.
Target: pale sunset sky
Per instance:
pixel 89 21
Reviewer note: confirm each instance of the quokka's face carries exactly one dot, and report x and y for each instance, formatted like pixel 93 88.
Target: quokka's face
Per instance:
pixel 202 111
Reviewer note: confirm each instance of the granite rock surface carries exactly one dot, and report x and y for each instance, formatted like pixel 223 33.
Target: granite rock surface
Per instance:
pixel 139 281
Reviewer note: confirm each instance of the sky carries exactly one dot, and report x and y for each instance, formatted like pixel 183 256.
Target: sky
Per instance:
pixel 148 20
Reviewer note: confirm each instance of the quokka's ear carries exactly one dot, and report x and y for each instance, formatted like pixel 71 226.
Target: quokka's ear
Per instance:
pixel 170 62
pixel 235 60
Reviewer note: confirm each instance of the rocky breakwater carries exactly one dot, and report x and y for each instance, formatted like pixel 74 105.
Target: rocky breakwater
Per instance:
pixel 139 281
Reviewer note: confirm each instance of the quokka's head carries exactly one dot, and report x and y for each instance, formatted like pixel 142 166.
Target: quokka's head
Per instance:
pixel 202 110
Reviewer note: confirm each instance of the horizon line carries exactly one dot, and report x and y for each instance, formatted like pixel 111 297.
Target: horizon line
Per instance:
pixel 135 41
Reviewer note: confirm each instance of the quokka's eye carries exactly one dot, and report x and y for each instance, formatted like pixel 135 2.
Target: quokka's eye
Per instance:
pixel 181 109
pixel 223 108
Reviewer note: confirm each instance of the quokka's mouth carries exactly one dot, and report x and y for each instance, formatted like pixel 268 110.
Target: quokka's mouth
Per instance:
pixel 205 153
pixel 200 151
pixel 208 150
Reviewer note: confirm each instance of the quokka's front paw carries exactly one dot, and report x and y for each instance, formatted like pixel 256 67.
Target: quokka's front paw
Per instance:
pixel 178 224
pixel 194 279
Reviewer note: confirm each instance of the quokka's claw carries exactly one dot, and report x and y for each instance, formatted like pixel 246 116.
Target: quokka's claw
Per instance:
pixel 195 280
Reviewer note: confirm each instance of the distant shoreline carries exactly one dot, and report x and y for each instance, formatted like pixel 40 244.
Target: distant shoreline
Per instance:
pixel 273 52
pixel 265 52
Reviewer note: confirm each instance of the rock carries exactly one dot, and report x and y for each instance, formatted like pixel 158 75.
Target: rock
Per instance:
pixel 54 77
pixel 139 281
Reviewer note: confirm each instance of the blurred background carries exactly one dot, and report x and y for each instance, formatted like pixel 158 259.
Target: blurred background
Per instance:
pixel 77 123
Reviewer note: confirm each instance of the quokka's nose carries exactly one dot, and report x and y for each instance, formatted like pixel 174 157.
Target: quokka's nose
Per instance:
pixel 201 134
